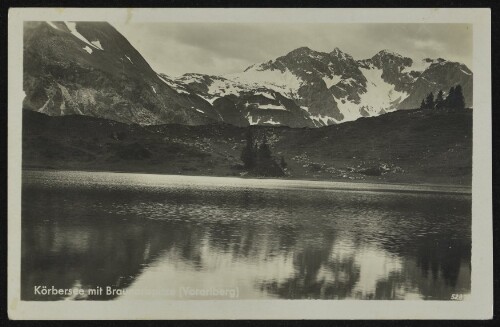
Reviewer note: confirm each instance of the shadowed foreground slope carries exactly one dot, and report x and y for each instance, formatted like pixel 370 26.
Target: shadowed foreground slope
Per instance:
pixel 405 146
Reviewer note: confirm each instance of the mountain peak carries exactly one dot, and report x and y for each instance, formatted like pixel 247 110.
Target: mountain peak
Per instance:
pixel 386 52
pixel 340 54
pixel 337 50
pixel 300 51
pixel 386 59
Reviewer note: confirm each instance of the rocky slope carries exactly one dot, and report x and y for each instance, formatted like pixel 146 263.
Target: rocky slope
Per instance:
pixel 89 68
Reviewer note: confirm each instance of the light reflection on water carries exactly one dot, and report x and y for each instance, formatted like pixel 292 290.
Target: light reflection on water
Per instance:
pixel 295 240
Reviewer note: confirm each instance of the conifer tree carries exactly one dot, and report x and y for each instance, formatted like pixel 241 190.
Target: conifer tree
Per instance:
pixel 455 99
pixel 422 104
pixel 248 153
pixel 439 100
pixel 258 159
pixel 429 101
pixel 448 102
pixel 264 151
pixel 459 100
pixel 283 163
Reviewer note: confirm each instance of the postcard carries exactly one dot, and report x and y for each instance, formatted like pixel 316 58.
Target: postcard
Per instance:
pixel 249 164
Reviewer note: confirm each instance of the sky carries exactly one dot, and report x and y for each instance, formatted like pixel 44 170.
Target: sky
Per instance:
pixel 224 48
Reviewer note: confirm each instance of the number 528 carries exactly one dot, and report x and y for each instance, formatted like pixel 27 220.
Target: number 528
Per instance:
pixel 457 297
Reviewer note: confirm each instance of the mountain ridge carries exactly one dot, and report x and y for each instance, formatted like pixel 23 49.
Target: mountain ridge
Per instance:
pixel 89 68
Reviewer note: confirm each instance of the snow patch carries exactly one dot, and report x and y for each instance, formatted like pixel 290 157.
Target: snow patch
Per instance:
pixel 271 106
pixel 88 49
pixel 272 122
pixel 330 81
pixel 200 111
pixel 425 79
pixel 191 78
pixel 175 86
pixel 349 81
pixel 379 95
pixel 129 59
pixel 315 56
pixel 72 28
pixel 225 87
pixel 324 120
pixel 251 121
pixel 285 82
pixel 208 99
pixel 266 95
pixel 43 108
pixel 53 25
pixel 97 44
pixel 349 109
pixel 62 107
pixel 166 81
pixel 153 88
pixel 418 66
pixel 466 73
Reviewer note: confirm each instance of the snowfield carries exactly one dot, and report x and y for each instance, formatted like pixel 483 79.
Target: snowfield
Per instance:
pixel 379 96
pixel 72 28
pixel 175 86
pixel 330 81
pixel 284 82
pixel 226 87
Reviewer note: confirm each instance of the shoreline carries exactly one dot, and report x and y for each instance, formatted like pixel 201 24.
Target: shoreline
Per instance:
pixel 290 183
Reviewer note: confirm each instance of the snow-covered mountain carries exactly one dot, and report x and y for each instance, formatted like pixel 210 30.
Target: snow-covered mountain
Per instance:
pixel 333 87
pixel 91 69
pixel 243 103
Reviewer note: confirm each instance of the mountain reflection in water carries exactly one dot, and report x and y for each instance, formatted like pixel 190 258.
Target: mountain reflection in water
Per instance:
pixel 137 232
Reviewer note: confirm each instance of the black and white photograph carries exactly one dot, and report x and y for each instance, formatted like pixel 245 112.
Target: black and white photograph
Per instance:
pixel 238 160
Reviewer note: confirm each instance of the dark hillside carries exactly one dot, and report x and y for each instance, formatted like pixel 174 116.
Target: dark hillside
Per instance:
pixel 404 146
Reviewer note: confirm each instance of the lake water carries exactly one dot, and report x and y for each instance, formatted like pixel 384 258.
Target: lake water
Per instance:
pixel 140 236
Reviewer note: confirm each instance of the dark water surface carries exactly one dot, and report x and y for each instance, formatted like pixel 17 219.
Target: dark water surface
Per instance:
pixel 177 237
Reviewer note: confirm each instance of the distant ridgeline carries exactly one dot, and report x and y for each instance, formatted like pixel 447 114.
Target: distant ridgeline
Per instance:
pixel 453 101
pixel 258 159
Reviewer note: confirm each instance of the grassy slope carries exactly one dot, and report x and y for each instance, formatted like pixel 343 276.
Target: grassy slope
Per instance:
pixel 410 146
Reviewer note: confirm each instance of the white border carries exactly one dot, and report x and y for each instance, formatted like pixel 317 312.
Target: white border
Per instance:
pixel 478 306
